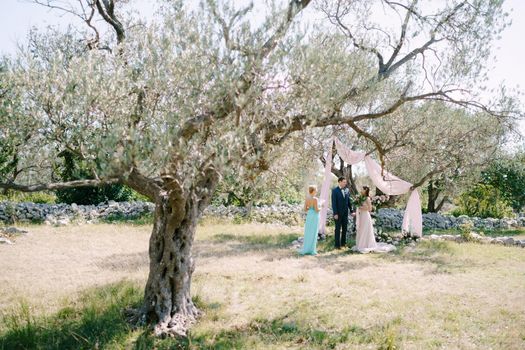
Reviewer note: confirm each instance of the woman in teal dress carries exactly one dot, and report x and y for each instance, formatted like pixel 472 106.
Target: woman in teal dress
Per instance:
pixel 311 224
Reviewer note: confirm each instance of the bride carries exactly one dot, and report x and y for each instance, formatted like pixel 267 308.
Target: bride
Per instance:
pixel 365 240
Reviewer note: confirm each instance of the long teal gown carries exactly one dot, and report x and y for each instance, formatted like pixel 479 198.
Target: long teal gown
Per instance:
pixel 310 233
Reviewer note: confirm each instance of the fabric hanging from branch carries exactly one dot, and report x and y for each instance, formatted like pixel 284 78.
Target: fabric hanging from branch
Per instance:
pixel 325 189
pixel 386 182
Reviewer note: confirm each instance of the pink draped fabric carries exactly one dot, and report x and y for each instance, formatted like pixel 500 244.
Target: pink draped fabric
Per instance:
pixel 325 189
pixel 349 156
pixel 386 182
pixel 413 219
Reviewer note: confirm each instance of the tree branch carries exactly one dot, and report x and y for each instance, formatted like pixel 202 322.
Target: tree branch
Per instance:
pixel 226 27
pixel 246 78
pixel 294 7
pixel 106 8
pixel 348 32
pixel 402 37
pixel 59 185
pixel 83 15
pixel 441 203
pixel 143 185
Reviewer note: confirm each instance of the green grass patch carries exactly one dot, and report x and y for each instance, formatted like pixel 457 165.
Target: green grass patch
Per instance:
pixel 283 332
pixel 328 244
pixel 95 321
pixel 281 240
pixel 499 232
pixel 34 197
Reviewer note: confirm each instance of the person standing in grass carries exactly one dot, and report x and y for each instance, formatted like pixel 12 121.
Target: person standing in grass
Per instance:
pixel 341 205
pixel 311 206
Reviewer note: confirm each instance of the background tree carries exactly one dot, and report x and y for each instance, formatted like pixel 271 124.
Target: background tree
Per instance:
pixel 13 164
pixel 507 175
pixel 170 107
pixel 499 190
pixel 70 168
pixel 295 166
pixel 484 201
pixel 443 145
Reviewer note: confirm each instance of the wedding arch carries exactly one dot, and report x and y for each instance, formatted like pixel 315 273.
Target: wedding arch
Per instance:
pixel 386 182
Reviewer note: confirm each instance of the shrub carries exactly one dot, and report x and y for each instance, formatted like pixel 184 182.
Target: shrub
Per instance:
pixel 73 168
pixel 95 195
pixel 37 197
pixel 465 230
pixel 483 201
pixel 508 175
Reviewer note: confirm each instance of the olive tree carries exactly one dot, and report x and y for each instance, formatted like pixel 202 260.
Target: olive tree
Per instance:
pixel 169 106
pixel 440 146
pixel 443 147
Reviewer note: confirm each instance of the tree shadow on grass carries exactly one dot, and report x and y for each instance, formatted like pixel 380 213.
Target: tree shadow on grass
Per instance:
pixel 258 241
pixel 282 331
pixel 333 260
pixel 439 255
pixel 127 262
pixel 328 246
pixel 95 321
pixel 277 247
pixel 333 264
pixel 223 245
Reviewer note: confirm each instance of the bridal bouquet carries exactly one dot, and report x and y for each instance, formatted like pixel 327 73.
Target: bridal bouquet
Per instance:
pixel 358 200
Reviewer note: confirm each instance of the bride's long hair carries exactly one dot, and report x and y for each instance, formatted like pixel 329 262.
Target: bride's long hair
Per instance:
pixel 367 191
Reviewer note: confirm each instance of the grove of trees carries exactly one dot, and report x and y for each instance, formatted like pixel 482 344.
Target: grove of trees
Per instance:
pixel 171 106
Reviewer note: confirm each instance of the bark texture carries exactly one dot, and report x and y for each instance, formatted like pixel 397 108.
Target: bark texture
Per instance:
pixel 434 189
pixel 168 305
pixel 167 299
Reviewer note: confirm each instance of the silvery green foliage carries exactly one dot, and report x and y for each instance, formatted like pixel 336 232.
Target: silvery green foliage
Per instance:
pixel 459 33
pixel 451 42
pixel 15 133
pixel 128 106
pixel 448 143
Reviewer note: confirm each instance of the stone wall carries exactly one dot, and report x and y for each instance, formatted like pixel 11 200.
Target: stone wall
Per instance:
pixel 62 214
pixel 286 214
pixel 393 218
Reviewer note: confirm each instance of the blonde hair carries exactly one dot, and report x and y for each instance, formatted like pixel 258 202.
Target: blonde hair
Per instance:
pixel 312 188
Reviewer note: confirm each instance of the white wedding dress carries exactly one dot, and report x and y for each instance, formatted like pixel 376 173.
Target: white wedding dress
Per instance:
pixel 365 240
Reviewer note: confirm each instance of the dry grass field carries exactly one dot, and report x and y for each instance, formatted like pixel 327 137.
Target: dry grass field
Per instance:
pixel 62 288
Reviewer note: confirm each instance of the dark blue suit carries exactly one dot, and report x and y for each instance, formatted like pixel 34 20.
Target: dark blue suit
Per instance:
pixel 340 206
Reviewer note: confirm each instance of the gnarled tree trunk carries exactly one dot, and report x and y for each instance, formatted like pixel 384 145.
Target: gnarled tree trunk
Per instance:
pixel 167 298
pixel 345 170
pixel 433 190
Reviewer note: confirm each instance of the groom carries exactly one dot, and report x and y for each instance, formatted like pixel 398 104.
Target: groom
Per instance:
pixel 340 205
